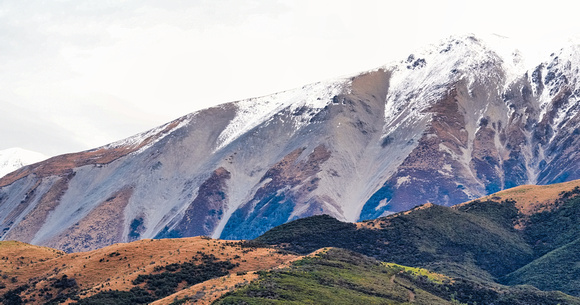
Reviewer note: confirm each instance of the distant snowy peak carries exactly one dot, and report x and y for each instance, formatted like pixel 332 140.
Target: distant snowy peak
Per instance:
pixel 459 57
pixel 12 159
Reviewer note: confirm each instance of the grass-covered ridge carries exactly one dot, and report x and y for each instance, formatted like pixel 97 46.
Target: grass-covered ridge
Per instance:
pixel 557 270
pixel 344 277
pixel 485 241
pixel 333 277
pixel 169 277
pixel 556 236
pixel 424 236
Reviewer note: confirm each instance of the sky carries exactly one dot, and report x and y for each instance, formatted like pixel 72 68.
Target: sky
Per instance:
pixel 78 74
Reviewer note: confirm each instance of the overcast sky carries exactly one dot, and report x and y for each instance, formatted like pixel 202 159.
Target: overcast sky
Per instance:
pixel 78 74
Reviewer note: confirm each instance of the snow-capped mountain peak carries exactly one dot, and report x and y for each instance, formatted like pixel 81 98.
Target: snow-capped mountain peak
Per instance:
pixel 446 124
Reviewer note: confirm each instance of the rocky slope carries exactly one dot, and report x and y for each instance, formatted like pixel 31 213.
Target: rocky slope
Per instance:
pixel 450 123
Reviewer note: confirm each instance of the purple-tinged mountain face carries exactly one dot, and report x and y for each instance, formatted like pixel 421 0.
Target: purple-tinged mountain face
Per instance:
pixel 448 124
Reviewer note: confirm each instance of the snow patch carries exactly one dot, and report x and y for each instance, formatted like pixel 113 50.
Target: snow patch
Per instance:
pixel 447 167
pixel 514 62
pixel 402 180
pixel 381 204
pixel 255 111
pixel 152 136
pixel 446 170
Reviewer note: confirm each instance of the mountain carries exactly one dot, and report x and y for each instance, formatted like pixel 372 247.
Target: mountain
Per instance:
pixel 12 159
pixel 448 124
pixel 523 236
pixel 494 250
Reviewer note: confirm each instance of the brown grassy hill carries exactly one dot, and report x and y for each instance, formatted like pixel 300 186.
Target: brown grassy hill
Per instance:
pixel 528 200
pixel 42 274
pixel 532 199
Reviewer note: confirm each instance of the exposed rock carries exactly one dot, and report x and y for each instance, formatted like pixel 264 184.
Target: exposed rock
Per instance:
pixel 97 229
pixel 206 210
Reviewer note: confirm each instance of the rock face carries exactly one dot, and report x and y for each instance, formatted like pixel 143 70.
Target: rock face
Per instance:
pixel 453 122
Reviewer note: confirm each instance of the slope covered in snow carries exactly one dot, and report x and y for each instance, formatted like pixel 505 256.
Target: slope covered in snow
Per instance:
pixel 255 111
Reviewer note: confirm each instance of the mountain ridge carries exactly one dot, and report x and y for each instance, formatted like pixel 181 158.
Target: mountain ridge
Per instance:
pixel 448 124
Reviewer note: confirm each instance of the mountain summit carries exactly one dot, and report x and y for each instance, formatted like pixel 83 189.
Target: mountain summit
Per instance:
pixel 450 123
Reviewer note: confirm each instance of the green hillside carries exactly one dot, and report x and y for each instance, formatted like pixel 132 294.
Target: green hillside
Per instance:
pixel 343 277
pixel 555 235
pixel 476 241
pixel 557 270
pixel 428 235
